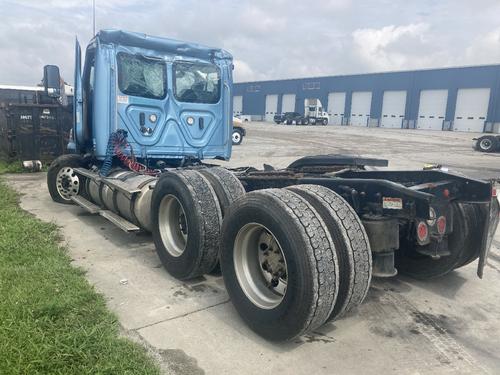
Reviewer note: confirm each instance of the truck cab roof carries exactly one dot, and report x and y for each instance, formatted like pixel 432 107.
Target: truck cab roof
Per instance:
pixel 170 46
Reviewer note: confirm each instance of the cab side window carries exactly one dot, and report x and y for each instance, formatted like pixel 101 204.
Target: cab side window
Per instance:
pixel 142 76
pixel 196 82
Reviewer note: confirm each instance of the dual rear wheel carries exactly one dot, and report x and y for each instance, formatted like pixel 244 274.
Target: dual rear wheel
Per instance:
pixel 292 259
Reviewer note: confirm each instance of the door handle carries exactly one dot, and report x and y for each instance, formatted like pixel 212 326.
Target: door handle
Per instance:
pixel 201 123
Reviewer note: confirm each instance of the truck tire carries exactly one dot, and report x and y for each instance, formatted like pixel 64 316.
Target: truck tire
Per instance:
pixel 288 122
pixel 237 137
pixel 278 263
pixel 62 181
pixel 475 220
pixel 423 267
pixel 487 143
pixel 186 220
pixel 225 184
pixel 325 121
pixel 351 244
pixel 305 121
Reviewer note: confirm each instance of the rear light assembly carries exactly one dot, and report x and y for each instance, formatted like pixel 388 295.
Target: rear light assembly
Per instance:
pixel 494 192
pixel 441 225
pixel 422 232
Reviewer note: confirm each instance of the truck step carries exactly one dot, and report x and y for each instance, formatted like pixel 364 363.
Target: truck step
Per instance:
pixel 117 220
pixel 86 204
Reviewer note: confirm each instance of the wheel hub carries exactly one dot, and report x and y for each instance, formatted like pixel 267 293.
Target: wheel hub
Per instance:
pixel 173 226
pixel 486 144
pixel 67 182
pixel 260 266
pixel 236 137
pixel 272 261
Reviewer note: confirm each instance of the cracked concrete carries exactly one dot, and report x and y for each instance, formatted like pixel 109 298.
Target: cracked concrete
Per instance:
pixel 450 325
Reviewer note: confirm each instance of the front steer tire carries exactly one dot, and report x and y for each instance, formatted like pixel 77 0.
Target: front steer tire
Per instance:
pixel 351 244
pixel 186 221
pixel 309 257
pixel 61 178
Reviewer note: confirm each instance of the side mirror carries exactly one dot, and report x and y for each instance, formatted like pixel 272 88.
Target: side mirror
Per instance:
pixel 52 81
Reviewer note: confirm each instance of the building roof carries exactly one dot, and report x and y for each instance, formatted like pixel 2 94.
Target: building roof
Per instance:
pixel 436 69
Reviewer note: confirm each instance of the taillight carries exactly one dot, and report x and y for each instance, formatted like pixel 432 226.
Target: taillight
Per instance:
pixel 441 225
pixel 494 192
pixel 422 232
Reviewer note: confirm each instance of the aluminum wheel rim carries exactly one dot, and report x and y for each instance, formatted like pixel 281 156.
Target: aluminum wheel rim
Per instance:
pixel 236 137
pixel 173 225
pixel 67 183
pixel 486 144
pixel 260 266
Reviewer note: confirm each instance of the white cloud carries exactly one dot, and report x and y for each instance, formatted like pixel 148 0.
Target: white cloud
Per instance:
pixel 242 71
pixel 393 47
pixel 485 49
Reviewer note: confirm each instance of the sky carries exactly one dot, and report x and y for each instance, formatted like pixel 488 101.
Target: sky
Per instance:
pixel 269 39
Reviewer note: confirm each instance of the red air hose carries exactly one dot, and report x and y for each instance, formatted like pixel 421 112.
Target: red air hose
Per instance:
pixel 120 143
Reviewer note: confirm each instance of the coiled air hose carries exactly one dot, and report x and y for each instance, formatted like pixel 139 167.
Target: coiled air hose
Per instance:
pixel 116 143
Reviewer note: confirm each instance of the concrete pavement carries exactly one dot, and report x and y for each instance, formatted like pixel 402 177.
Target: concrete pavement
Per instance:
pixel 450 325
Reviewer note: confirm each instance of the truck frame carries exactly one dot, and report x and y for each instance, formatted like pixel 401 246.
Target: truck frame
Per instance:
pixel 297 247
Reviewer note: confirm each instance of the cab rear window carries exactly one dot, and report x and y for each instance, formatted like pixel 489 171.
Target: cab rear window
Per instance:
pixel 142 76
pixel 196 83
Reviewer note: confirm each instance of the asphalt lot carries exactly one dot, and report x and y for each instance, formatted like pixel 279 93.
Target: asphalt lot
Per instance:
pixel 450 325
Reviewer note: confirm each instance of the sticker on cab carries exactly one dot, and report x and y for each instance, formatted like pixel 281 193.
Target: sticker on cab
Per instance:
pixel 122 99
pixel 392 203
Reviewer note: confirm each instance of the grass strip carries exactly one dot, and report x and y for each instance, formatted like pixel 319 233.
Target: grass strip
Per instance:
pixel 52 321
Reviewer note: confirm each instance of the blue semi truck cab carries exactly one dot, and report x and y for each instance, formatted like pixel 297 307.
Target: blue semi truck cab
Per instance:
pixel 172 98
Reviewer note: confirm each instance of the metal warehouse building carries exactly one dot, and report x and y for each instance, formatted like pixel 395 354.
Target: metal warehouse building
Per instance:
pixel 460 99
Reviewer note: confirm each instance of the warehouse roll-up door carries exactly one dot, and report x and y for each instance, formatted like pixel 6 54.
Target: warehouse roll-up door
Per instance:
pixel 393 109
pixel 288 103
pixel 336 105
pixel 237 105
pixel 432 109
pixel 471 110
pixel 360 108
pixel 271 107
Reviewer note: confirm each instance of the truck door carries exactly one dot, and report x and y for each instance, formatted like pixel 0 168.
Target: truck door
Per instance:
pixel 77 97
pixel 197 95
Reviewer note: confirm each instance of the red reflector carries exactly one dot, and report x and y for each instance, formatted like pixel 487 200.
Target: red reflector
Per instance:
pixel 422 231
pixel 446 193
pixel 494 192
pixel 441 225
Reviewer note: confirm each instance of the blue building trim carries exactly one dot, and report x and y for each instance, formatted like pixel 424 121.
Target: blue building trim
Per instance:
pixel 413 82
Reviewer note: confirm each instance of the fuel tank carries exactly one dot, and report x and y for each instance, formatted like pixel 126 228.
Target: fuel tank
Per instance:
pixel 131 201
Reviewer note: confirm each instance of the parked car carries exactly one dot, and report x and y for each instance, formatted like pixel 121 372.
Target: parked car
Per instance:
pixel 487 143
pixel 238 131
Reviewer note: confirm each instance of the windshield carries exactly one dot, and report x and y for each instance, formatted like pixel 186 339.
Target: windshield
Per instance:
pixel 196 83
